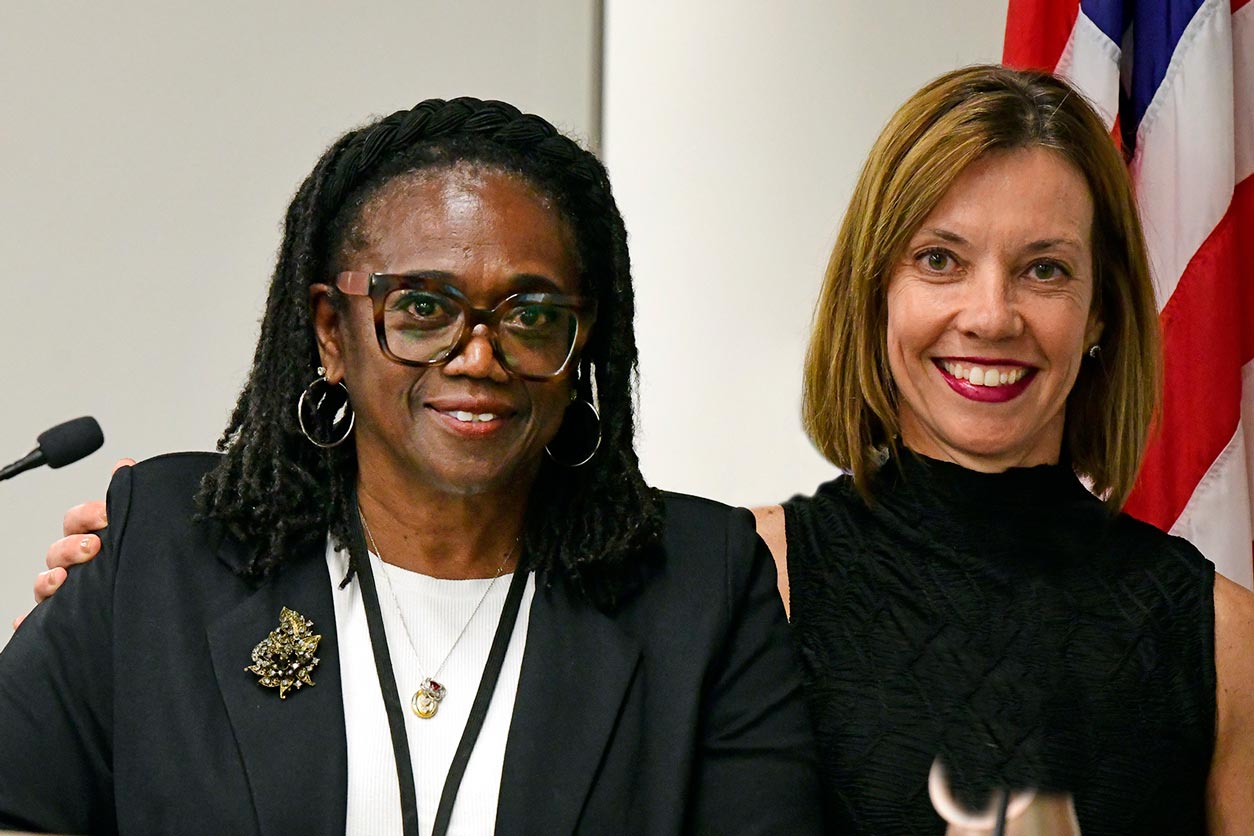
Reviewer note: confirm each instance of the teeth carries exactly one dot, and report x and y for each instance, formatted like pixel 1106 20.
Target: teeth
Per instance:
pixel 470 417
pixel 977 376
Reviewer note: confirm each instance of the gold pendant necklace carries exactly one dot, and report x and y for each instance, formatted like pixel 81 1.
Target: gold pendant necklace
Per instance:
pixel 426 700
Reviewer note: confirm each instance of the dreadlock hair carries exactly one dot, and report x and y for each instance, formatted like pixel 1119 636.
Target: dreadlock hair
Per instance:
pixel 596 525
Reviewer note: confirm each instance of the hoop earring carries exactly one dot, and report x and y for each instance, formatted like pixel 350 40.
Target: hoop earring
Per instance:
pixel 569 433
pixel 1094 350
pixel 324 407
pixel 574 460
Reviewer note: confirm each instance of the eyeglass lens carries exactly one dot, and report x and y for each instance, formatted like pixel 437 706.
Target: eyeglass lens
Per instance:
pixel 533 337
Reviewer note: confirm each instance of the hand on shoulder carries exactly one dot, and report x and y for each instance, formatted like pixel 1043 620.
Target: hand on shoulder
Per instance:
pixel 79 544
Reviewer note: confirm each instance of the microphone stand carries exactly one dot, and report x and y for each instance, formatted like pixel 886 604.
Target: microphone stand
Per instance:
pixel 31 460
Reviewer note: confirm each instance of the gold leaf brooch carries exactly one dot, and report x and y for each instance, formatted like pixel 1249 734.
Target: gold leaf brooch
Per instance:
pixel 285 658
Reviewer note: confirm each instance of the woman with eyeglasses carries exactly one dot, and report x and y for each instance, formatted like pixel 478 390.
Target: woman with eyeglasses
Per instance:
pixel 423 588
pixel 981 636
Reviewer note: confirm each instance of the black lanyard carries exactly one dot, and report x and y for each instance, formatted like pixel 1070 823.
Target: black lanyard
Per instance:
pixel 391 698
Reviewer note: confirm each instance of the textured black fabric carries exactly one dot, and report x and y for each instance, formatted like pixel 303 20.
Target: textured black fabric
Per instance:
pixel 1010 625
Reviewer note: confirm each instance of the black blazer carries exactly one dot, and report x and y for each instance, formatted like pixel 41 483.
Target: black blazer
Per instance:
pixel 125 705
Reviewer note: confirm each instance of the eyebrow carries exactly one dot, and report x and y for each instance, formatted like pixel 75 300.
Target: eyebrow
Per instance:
pixel 520 282
pixel 430 275
pixel 946 235
pixel 536 282
pixel 1053 243
pixel 1035 246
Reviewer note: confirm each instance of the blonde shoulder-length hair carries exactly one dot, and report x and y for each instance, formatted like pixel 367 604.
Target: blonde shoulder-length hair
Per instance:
pixel 850 402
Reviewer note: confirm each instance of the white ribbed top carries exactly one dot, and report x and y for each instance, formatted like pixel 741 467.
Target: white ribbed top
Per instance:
pixel 435 611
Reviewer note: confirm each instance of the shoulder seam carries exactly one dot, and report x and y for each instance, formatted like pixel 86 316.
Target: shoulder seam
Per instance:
pixel 670 496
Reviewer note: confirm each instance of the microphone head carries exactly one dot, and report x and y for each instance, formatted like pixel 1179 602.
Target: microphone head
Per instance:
pixel 67 443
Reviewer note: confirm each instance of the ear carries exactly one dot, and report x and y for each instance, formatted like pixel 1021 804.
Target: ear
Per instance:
pixel 1093 333
pixel 587 321
pixel 326 323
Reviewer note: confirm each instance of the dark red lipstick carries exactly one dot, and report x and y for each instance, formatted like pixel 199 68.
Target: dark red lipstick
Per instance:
pixel 986 394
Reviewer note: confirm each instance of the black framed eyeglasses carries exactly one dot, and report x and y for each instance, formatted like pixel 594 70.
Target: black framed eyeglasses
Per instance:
pixel 421 321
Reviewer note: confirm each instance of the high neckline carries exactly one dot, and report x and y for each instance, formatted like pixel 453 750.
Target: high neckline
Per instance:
pixel 919 479
pixel 1021 519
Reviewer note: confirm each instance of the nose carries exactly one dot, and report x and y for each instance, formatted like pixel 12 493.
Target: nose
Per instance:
pixel 989 308
pixel 477 359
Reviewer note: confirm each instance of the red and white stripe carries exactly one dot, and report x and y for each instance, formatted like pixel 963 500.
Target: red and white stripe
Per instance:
pixel 1192 171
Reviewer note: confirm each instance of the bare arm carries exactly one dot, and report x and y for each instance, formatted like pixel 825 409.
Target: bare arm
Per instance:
pixel 1230 788
pixel 770 521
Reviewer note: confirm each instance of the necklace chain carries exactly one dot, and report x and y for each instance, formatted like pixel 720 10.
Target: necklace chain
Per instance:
pixel 427 698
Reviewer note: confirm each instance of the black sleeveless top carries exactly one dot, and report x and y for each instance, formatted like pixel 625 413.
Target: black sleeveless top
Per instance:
pixel 1008 624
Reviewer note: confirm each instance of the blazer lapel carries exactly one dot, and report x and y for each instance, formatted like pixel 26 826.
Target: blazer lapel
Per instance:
pixel 576 670
pixel 293 750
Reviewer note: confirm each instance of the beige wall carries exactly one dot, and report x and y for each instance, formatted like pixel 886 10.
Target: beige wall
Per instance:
pixel 149 148
pixel 734 131
pixel 147 153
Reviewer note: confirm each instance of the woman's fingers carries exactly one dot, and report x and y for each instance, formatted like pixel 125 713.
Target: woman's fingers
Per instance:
pixel 84 518
pixel 78 545
pixel 89 516
pixel 46 583
pixel 72 550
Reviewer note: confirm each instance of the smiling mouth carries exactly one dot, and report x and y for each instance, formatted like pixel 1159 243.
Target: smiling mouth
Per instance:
pixel 469 417
pixel 466 423
pixel 986 382
pixel 988 375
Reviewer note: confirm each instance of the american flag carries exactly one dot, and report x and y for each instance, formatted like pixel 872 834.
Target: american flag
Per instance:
pixel 1174 80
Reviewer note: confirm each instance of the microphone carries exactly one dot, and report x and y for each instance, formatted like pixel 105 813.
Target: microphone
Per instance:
pixel 63 444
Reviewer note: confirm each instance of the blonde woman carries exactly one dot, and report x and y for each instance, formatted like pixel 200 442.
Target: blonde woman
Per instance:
pixel 986 339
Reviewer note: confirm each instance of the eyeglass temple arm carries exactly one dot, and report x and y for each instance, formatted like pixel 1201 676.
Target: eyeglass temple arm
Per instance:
pixel 353 282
